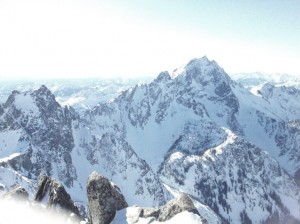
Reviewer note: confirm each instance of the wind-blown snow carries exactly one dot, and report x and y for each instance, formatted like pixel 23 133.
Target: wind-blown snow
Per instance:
pixel 13 212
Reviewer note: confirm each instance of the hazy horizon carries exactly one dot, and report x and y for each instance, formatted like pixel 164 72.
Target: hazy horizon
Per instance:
pixel 77 39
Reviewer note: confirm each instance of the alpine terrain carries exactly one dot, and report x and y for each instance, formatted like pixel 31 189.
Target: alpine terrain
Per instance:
pixel 234 152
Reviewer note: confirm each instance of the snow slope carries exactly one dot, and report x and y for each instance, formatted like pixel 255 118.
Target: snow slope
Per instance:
pixel 130 216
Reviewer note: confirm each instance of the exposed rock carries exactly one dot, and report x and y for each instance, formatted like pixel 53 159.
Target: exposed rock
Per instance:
pixel 54 193
pixel 18 193
pixel 150 212
pixel 104 199
pixel 177 205
pixel 180 204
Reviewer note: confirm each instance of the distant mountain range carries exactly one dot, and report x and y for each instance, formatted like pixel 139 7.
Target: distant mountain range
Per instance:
pixel 78 93
pixel 232 145
pixel 258 78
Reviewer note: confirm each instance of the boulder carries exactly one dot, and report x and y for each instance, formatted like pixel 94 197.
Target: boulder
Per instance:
pixel 17 193
pixel 164 213
pixel 55 195
pixel 175 206
pixel 104 199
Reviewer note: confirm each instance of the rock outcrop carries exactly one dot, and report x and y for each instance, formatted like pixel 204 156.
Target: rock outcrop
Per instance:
pixel 177 205
pixel 104 198
pixel 55 195
pixel 16 193
pixel 164 213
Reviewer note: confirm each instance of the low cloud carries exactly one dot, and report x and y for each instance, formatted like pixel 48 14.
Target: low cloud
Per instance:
pixel 13 212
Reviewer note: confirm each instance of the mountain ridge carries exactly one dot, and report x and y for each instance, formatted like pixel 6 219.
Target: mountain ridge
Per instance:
pixel 157 136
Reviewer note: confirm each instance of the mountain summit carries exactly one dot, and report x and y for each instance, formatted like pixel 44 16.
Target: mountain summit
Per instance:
pixel 195 131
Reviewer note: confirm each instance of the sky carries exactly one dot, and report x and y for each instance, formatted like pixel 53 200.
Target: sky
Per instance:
pixel 107 38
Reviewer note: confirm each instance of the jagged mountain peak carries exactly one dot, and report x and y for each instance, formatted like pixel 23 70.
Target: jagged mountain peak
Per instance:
pixel 35 104
pixel 43 88
pixel 163 76
pixel 203 61
pixel 43 91
pixel 11 98
pixel 37 120
pixel 196 62
pixel 44 96
pixel 39 98
pixel 202 71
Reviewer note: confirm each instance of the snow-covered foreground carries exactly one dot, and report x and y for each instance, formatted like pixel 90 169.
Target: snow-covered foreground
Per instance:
pixel 13 212
pixel 130 216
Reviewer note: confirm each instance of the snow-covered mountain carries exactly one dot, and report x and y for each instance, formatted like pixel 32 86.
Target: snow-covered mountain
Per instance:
pixel 257 78
pixel 235 152
pixel 81 94
pixel 39 136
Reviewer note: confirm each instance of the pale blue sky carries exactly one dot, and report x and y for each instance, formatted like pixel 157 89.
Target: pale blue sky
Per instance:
pixel 80 38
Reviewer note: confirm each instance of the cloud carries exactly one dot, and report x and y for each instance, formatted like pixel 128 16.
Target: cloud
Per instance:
pixel 13 212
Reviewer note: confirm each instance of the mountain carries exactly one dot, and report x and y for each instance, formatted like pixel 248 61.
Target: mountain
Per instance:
pixel 235 153
pixel 81 94
pixel 39 136
pixel 257 78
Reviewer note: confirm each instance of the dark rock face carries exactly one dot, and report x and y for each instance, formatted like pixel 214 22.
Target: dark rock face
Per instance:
pixel 180 204
pixel 104 199
pixel 55 195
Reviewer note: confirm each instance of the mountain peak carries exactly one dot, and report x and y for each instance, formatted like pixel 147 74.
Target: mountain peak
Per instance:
pixel 163 76
pixel 203 71
pixel 44 97
pixel 202 60
pixel 43 90
pixel 11 98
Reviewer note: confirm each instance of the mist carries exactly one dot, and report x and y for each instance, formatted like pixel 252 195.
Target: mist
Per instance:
pixel 25 212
